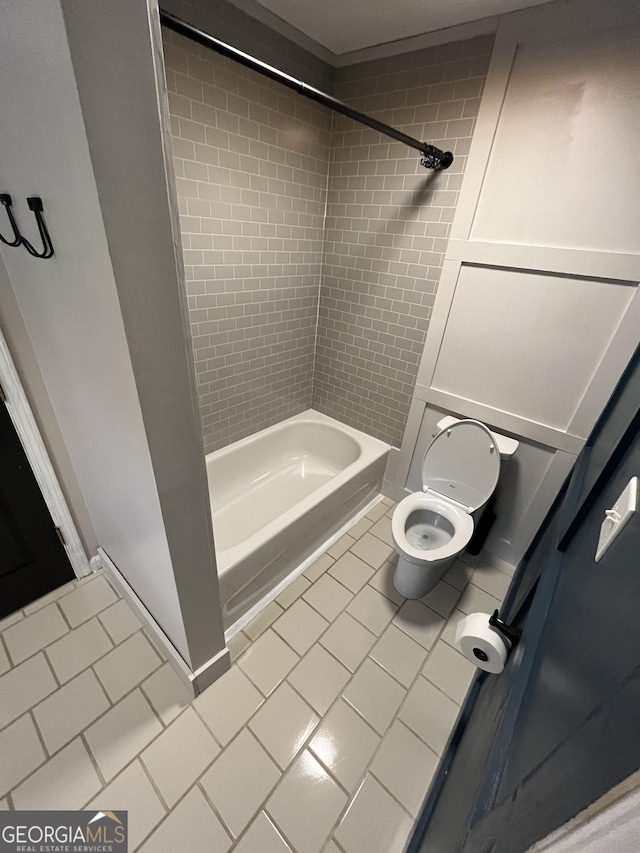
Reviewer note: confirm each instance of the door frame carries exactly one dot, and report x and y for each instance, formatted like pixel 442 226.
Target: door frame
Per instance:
pixel 34 447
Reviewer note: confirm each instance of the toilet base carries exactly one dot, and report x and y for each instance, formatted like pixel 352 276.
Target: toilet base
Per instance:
pixel 413 581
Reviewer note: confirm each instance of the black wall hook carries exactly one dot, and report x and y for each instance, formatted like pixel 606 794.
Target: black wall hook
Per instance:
pixel 5 199
pixel 35 204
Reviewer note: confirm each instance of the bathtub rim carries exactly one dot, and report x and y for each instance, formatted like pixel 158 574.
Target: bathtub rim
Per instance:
pixel 273 594
pixel 371 449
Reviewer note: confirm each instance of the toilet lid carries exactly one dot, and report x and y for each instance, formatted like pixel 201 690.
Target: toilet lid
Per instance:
pixel 462 462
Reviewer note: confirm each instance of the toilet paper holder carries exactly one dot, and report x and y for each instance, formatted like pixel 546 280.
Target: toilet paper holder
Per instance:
pixel 509 632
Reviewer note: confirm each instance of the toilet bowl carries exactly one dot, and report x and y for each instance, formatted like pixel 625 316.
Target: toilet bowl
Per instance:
pixel 430 528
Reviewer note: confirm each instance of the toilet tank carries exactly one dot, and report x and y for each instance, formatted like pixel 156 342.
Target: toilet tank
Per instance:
pixel 506 446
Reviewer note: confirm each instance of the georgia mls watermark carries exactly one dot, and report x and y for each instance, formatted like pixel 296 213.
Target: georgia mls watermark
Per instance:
pixel 63 832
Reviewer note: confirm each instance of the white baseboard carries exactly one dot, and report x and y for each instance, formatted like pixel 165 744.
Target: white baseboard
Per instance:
pixel 196 681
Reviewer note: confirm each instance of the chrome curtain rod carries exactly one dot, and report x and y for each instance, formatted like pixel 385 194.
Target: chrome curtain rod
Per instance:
pixel 432 157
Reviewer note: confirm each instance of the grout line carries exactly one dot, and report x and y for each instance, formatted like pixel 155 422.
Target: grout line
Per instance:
pixel 4 645
pixel 40 737
pixel 51 667
pixel 217 813
pixel 94 761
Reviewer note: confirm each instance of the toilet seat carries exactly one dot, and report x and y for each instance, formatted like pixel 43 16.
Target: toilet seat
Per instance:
pixel 457 515
pixel 461 460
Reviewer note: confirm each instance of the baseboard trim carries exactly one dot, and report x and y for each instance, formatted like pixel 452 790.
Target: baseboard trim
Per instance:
pixel 196 681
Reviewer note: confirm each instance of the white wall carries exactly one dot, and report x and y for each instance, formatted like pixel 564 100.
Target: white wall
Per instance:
pixel 538 311
pixel 73 307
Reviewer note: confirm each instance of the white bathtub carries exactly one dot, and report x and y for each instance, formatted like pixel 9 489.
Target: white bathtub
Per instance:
pixel 277 496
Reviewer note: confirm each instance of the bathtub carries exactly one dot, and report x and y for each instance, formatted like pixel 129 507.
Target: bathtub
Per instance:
pixel 279 495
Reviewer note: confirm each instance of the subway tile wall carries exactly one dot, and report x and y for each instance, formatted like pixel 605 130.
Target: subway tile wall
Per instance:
pixel 387 224
pixel 289 311
pixel 251 161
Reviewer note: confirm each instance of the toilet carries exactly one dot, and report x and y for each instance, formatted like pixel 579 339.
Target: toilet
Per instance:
pixel 430 528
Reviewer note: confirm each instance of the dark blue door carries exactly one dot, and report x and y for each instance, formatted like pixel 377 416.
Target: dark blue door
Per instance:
pixel 561 725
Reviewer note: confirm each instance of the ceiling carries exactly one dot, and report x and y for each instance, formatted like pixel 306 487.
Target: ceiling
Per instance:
pixel 342 26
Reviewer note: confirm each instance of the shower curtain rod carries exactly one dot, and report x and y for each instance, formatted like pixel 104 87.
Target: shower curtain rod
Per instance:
pixel 432 157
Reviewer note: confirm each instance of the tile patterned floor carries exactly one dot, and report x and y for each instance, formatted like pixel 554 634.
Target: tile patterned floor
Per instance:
pixel 323 737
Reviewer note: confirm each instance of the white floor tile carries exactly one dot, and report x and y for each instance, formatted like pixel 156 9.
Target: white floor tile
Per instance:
pixel 120 621
pixel 283 724
pixel 328 597
pixel 348 640
pixel 122 733
pixel 360 528
pixel 191 826
pixel 319 678
pixel 343 544
pixel 401 656
pixel 262 837
pixel 64 714
pixel 268 662
pixel 177 758
pixel 22 687
pixel 450 671
pixel 293 591
pixel 459 575
pixel 405 766
pixel 34 632
pixel 442 598
pixel 21 753
pixel 382 529
pixel 318 567
pixel 430 714
pixel 237 645
pixel 239 781
pixel 263 620
pixel 227 705
pixel 132 791
pixel 11 619
pixel 375 695
pixel 300 626
pixel 304 783
pixel 474 600
pixel 383 582
pixel 87 600
pixel 54 595
pixel 351 571
pixel 66 781
pixel 78 649
pixel 166 692
pixel 372 609
pixel 344 743
pixel 372 550
pixel 374 822
pixel 377 511
pixel 126 666
pixel 420 622
pixel 491 580
pixel 449 631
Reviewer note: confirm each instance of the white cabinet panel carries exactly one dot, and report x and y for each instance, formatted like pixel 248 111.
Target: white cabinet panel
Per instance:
pixel 527 343
pixel 564 168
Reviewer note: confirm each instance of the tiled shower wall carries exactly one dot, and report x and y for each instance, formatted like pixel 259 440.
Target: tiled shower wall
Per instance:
pixel 251 162
pixel 387 225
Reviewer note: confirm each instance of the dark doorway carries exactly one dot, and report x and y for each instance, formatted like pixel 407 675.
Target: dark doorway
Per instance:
pixel 32 559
